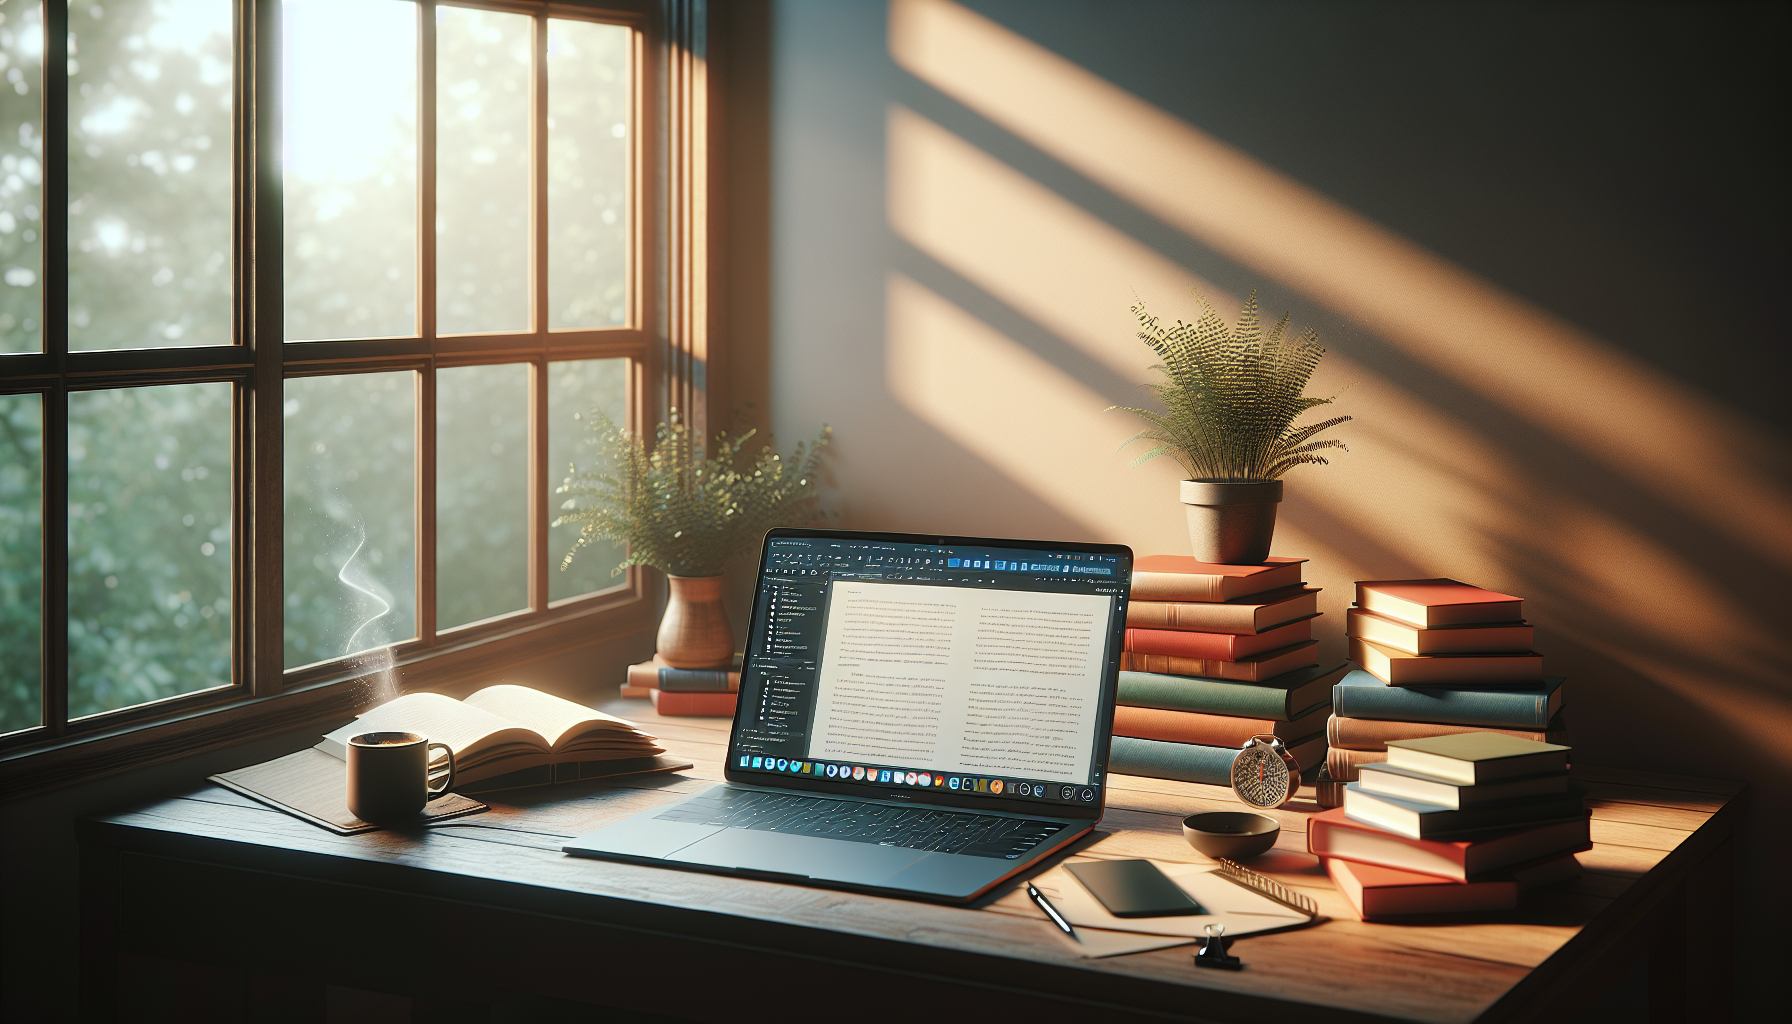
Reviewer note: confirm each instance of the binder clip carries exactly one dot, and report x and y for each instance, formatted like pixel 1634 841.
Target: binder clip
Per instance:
pixel 1213 950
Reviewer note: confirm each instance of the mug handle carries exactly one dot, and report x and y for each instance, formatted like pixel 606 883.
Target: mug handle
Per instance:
pixel 448 780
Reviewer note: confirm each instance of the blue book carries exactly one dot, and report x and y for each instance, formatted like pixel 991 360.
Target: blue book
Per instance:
pixel 1361 695
pixel 1194 762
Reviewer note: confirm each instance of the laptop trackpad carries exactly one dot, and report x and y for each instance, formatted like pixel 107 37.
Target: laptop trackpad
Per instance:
pixel 942 874
pixel 640 836
pixel 827 859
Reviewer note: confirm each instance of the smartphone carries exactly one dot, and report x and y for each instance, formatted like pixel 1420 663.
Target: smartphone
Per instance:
pixel 1133 888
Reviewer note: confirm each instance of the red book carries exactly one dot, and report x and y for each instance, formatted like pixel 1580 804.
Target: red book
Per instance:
pixel 715 704
pixel 1256 668
pixel 1183 578
pixel 1213 730
pixel 1217 646
pixel 1331 834
pixel 1252 614
pixel 1377 892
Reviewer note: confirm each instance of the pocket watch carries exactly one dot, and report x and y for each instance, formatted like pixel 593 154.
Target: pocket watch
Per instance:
pixel 1264 774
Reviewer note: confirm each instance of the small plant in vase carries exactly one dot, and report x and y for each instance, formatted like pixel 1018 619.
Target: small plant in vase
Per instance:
pixel 687 514
pixel 1230 397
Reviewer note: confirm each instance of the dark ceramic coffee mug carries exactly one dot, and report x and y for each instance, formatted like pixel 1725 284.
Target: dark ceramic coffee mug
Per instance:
pixel 388 775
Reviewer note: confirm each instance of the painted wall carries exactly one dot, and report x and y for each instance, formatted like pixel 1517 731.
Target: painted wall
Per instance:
pixel 1542 243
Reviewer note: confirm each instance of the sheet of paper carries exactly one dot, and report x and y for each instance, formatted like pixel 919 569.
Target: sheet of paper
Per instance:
pixel 1095 943
pixel 1242 911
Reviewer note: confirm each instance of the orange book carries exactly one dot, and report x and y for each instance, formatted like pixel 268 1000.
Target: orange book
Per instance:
pixel 1184 578
pixel 1381 892
pixel 1216 646
pixel 1398 668
pixel 1342 765
pixel 1476 638
pixel 656 674
pixel 1430 603
pixel 1333 834
pixel 1255 669
pixel 1212 730
pixel 1371 734
pixel 720 705
pixel 1378 892
pixel 1252 614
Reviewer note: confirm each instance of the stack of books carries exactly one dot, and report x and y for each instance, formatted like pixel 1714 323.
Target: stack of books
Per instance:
pixel 1439 658
pixel 685 691
pixel 1216 654
pixel 1453 824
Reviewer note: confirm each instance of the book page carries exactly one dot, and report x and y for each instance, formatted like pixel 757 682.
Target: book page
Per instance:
pixel 467 730
pixel 992 682
pixel 555 718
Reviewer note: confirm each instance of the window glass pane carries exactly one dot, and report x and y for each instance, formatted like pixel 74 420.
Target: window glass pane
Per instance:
pixel 482 492
pixel 351 514
pixel 577 390
pixel 21 560
pixel 21 178
pixel 149 174
pixel 482 170
pixel 350 168
pixel 148 544
pixel 588 146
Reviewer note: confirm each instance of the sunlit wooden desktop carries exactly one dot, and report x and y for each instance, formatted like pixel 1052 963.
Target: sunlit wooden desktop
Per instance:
pixel 487 907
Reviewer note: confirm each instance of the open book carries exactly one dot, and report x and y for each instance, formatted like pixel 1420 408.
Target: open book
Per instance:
pixel 502 729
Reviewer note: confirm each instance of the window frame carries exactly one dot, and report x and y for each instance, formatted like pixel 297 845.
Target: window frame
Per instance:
pixel 666 343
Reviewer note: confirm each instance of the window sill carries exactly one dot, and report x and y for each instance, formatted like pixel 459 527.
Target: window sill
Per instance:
pixel 308 702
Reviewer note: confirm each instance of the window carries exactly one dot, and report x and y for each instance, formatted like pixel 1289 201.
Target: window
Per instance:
pixel 305 307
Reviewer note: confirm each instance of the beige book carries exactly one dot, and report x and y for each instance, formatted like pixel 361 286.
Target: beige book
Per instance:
pixel 502 729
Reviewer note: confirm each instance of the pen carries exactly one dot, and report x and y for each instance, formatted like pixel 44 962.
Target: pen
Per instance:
pixel 1050 911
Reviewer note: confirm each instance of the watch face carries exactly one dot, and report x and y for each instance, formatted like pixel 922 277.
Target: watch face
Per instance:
pixel 1260 777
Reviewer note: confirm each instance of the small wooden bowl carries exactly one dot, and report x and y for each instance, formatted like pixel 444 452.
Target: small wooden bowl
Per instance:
pixel 1234 835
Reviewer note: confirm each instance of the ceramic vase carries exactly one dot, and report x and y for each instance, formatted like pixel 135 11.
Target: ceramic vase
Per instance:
pixel 694 633
pixel 1231 522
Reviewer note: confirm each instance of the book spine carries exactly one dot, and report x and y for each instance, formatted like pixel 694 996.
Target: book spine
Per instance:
pixel 1217 646
pixel 1186 727
pixel 1370 734
pixel 689 680
pixel 1208 696
pixel 695 704
pixel 1500 709
pixel 1189 615
pixel 1180 762
pixel 1254 669
pixel 1343 765
pixel 1176 586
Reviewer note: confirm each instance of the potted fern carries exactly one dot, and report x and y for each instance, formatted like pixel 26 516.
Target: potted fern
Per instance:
pixel 687 514
pixel 1230 397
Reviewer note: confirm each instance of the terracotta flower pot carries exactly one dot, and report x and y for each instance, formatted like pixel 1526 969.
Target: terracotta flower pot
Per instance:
pixel 1231 522
pixel 694 633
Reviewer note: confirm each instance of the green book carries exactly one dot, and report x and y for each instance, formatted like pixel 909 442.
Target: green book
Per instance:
pixel 1361 695
pixel 1281 699
pixel 1193 762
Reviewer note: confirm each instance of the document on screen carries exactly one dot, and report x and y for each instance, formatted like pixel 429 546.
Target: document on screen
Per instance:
pixel 988 682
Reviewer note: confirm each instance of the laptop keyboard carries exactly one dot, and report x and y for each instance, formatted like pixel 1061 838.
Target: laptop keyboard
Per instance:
pixel 914 828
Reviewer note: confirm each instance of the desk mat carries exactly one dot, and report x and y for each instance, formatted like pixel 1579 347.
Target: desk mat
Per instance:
pixel 312 785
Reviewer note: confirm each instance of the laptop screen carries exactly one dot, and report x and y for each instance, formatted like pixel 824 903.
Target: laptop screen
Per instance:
pixel 966 668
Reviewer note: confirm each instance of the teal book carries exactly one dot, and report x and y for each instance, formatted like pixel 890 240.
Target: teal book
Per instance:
pixel 1282 699
pixel 1362 695
pixel 1192 762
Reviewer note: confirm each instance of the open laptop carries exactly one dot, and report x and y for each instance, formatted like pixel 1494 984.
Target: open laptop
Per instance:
pixel 918 716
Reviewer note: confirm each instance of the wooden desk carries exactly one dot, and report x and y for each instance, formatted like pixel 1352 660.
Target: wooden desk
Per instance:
pixel 488 908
